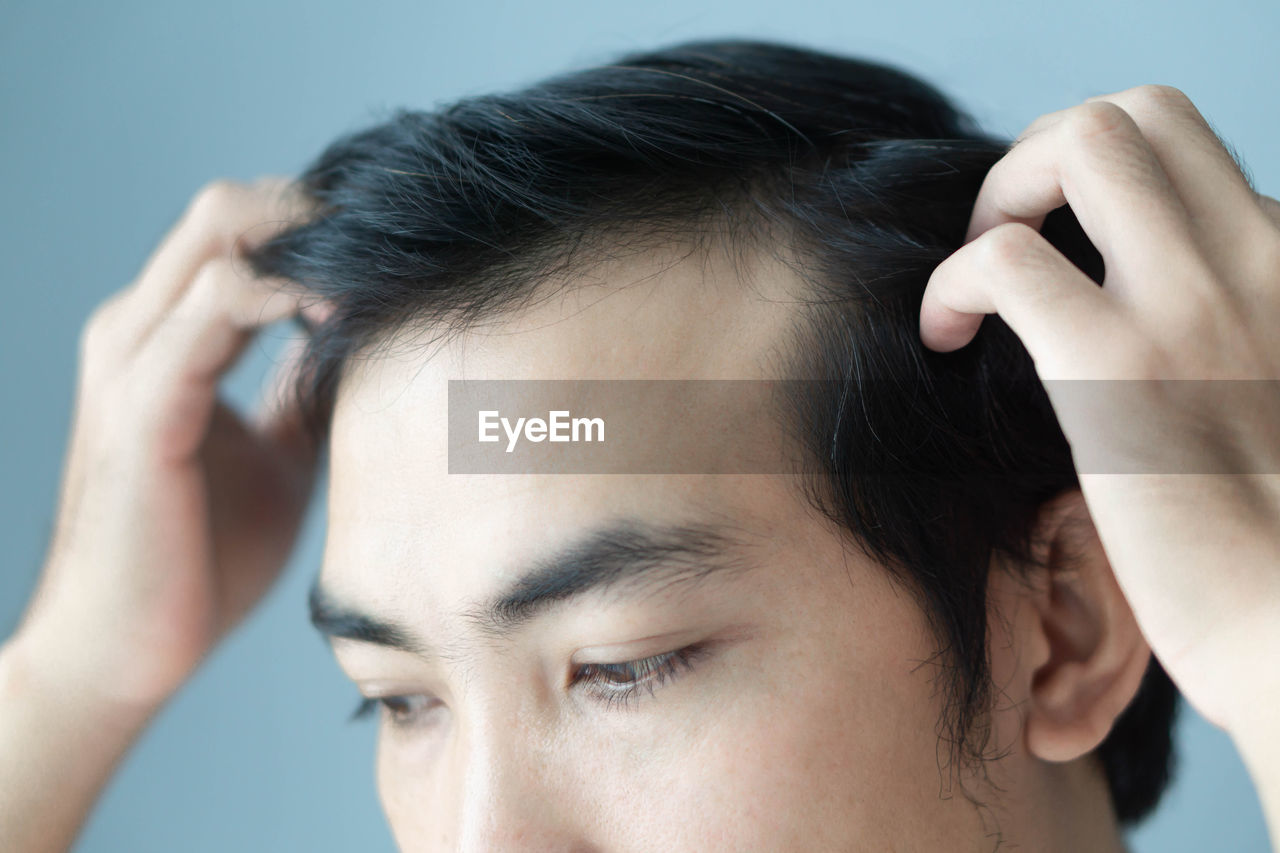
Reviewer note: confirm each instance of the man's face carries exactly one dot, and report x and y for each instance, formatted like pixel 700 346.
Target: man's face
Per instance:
pixel 779 697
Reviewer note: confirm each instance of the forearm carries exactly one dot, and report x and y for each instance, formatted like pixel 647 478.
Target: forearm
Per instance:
pixel 59 743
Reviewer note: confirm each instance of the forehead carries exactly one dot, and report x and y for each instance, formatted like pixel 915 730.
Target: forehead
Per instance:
pixel 397 515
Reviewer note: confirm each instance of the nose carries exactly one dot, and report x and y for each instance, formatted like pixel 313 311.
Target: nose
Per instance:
pixel 512 794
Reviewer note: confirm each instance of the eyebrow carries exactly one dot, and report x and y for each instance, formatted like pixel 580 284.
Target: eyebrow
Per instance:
pixel 627 557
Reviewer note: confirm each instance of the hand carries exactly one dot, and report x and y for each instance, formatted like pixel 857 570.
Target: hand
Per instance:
pixel 1192 291
pixel 175 515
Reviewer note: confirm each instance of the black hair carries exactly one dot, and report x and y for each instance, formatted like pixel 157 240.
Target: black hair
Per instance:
pixel 448 215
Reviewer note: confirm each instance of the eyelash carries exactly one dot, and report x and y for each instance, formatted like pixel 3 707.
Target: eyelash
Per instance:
pixel 396 707
pixel 649 674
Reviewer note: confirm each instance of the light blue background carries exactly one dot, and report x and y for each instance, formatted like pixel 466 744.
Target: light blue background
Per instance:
pixel 113 114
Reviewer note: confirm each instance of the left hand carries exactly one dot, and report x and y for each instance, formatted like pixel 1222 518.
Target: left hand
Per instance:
pixel 1192 291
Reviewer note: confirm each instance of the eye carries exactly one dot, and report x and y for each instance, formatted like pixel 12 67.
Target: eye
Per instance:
pixel 614 684
pixel 401 711
pixel 620 683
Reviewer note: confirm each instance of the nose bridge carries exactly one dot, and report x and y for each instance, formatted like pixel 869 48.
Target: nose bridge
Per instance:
pixel 510 795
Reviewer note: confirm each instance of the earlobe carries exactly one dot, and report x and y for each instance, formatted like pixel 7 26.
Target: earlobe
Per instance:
pixel 1096 655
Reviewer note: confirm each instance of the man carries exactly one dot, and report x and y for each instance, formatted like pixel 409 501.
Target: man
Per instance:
pixel 913 640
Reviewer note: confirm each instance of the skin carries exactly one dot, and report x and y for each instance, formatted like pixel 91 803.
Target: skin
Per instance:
pixel 1193 257
pixel 809 724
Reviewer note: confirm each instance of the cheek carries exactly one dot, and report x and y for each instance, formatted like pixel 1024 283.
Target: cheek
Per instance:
pixel 414 805
pixel 836 746
pixel 822 737
pixel 395 798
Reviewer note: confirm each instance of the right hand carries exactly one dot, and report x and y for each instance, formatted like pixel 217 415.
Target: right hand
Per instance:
pixel 175 515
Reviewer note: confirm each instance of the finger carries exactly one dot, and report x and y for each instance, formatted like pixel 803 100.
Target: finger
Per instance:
pixel 178 366
pixel 1035 220
pixel 1206 174
pixel 277 417
pixel 1058 312
pixel 1095 159
pixel 1270 207
pixel 221 219
pixel 316 312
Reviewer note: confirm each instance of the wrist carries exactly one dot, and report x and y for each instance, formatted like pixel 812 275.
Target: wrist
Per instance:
pixel 55 671
pixel 60 740
pixel 107 647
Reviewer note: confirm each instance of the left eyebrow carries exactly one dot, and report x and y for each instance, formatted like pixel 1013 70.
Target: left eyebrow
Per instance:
pixel 628 557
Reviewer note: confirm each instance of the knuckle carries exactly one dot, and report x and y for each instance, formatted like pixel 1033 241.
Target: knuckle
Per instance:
pixel 97 326
pixel 210 282
pixel 93 324
pixel 215 200
pixel 100 364
pixel 200 299
pixel 1162 97
pixel 1010 244
pixel 1099 120
pixel 1039 124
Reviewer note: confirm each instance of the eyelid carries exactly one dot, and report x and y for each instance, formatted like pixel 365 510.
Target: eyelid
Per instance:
pixel 645 647
pixel 369 705
pixel 656 671
pixel 659 669
pixel 618 654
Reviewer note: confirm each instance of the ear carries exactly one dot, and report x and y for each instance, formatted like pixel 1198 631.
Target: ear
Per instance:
pixel 1087 654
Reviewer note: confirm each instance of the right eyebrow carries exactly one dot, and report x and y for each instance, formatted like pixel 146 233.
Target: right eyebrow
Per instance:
pixel 334 619
pixel 640 556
